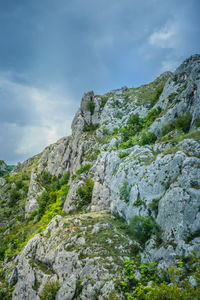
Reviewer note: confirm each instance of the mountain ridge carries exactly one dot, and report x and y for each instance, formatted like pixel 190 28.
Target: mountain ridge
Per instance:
pixel 134 152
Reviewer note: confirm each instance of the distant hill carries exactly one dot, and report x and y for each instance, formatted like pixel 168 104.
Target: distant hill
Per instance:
pixel 4 168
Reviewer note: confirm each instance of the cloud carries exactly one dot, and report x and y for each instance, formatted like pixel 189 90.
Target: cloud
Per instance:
pixel 32 117
pixel 165 37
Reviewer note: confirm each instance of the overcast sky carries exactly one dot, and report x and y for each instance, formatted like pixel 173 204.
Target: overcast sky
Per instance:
pixel 52 51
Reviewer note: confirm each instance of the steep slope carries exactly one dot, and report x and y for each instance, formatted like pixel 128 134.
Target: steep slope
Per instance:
pixel 134 152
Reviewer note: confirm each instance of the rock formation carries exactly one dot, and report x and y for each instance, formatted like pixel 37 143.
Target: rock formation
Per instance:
pixel 132 152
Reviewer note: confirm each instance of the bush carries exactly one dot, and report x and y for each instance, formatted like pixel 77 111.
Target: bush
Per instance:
pixel 170 284
pixel 183 122
pixel 104 99
pixel 85 192
pixel 156 97
pixel 90 127
pixel 83 169
pixel 14 197
pixel 123 154
pixel 50 290
pixel 64 179
pixel 142 228
pixel 90 105
pixel 124 191
pixel 148 138
pixel 44 177
pixel 151 116
pixel 167 128
pixel 197 123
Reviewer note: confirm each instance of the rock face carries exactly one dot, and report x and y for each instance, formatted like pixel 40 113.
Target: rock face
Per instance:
pixel 77 252
pixel 130 176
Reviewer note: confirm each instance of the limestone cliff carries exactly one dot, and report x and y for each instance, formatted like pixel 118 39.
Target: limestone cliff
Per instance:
pixel 133 152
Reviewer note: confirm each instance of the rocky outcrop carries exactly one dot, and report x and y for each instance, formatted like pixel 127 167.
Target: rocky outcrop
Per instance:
pixel 75 251
pixel 158 179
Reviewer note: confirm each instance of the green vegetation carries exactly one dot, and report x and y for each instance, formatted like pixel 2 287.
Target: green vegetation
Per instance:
pixel 136 125
pixel 147 138
pixel 183 122
pixel 50 290
pixel 83 169
pixel 55 193
pixel 197 123
pixel 85 193
pixel 123 154
pixel 124 191
pixel 154 205
pixel 167 128
pixel 142 228
pixel 90 105
pixel 170 284
pixel 91 128
pixel 4 168
pixel 104 99
pixel 148 94
pixel 21 229
pixel 79 288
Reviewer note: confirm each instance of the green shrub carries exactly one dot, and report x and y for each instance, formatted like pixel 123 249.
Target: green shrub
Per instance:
pixel 124 191
pixel 44 177
pixel 123 154
pixel 84 169
pixel 171 97
pixel 104 99
pixel 50 290
pixel 142 228
pixel 64 179
pixel 14 197
pixel 197 123
pixel 154 205
pixel 183 122
pixel 156 97
pixel 170 284
pixel 167 128
pixel 90 127
pixel 79 288
pixel 85 192
pixel 90 105
pixel 151 116
pixel 147 138
pixel 42 202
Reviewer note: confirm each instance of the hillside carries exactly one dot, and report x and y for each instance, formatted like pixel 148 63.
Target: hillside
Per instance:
pixel 4 168
pixel 112 211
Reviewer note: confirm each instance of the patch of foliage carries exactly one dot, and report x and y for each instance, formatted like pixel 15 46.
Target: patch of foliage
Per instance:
pixel 104 99
pixel 154 205
pixel 183 122
pixel 197 123
pixel 83 169
pixel 78 289
pixel 85 192
pixel 170 284
pixel 50 290
pixel 142 228
pixel 135 125
pixel 90 105
pixel 147 138
pixel 123 154
pixel 124 191
pixel 56 192
pixel 167 128
pixel 91 128
pixel 156 97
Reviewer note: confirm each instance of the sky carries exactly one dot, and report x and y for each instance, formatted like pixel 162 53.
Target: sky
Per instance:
pixel 52 51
